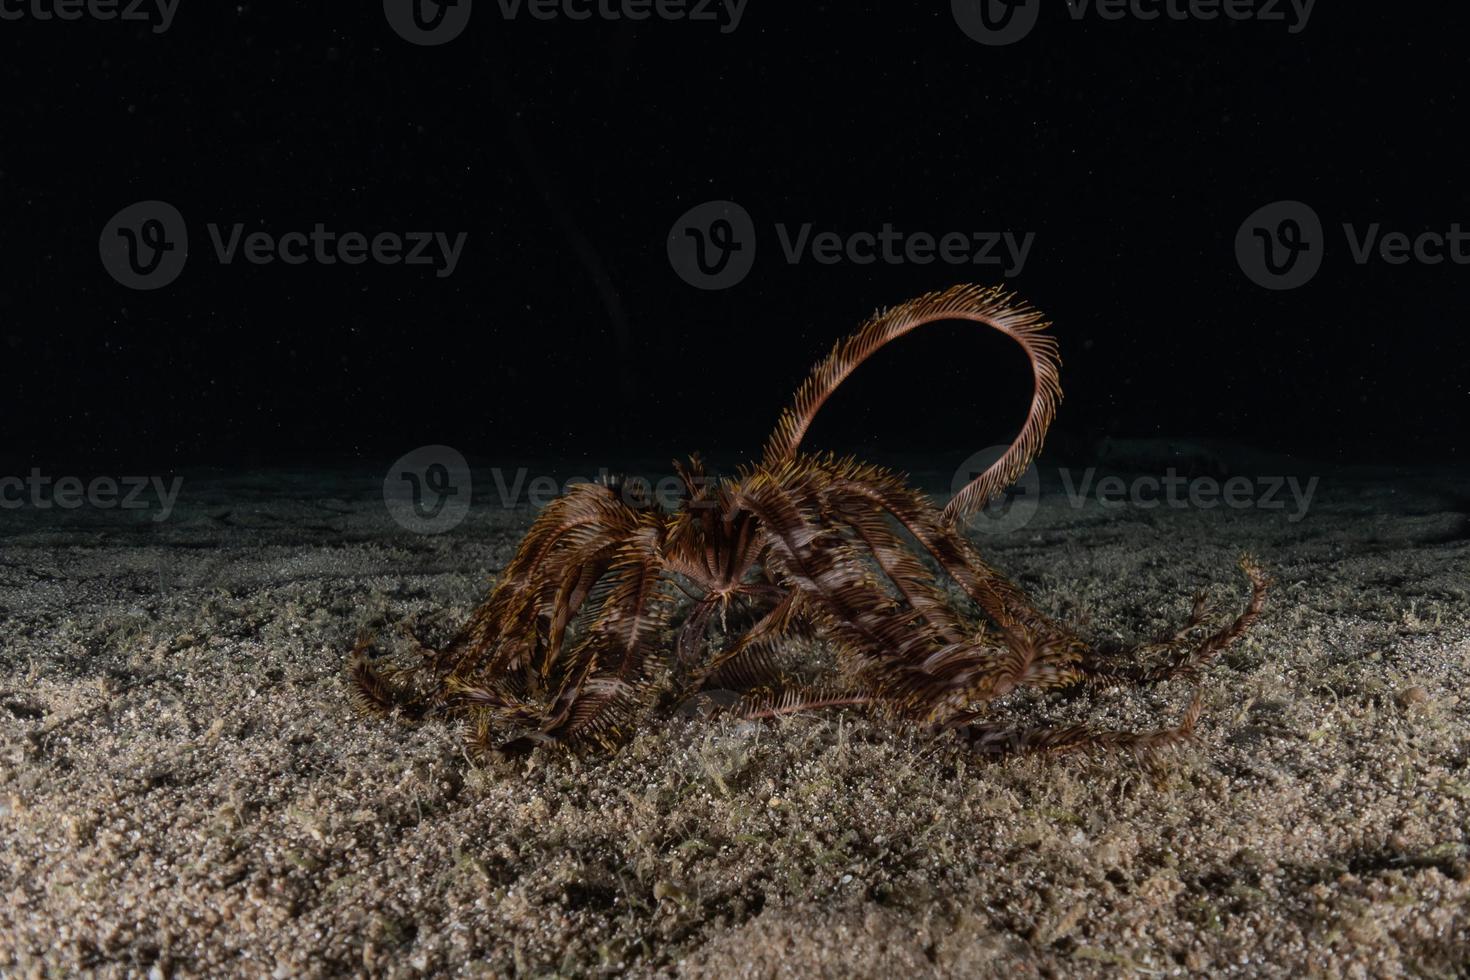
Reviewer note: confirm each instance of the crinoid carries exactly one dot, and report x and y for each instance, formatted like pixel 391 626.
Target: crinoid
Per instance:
pixel 614 608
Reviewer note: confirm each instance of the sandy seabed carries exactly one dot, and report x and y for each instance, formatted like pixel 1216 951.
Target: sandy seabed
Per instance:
pixel 185 791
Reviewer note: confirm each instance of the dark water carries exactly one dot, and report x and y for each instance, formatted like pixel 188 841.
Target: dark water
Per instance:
pixel 393 245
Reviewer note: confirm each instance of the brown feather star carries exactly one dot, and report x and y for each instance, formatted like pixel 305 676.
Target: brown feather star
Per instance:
pixel 608 612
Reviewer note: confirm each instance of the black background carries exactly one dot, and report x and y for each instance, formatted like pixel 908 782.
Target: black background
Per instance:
pixel 1133 150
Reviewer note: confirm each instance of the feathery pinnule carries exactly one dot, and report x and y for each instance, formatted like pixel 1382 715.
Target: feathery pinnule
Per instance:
pixel 613 609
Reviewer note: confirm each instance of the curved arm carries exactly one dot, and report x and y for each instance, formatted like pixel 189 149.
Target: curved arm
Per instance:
pixel 992 306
